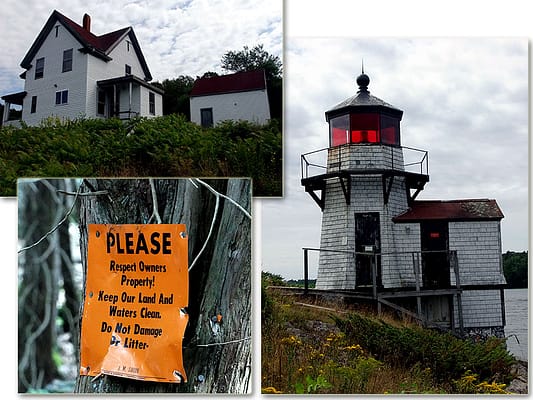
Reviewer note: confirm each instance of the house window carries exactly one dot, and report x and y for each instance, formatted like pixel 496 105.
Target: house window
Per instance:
pixel 151 103
pixel 128 43
pixel 101 102
pixel 62 97
pixel 57 30
pixel 128 69
pixel 33 104
pixel 39 68
pixel 67 60
pixel 206 117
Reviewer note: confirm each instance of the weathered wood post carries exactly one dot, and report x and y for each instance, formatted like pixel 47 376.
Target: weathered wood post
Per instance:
pixel 306 270
pixel 217 352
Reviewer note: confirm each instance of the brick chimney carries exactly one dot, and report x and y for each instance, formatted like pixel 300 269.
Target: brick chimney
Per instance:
pixel 87 22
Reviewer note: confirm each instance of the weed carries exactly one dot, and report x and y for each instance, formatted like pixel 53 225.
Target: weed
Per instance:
pixel 313 350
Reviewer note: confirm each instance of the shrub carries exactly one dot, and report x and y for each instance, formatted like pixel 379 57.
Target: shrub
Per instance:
pixel 162 146
pixel 445 355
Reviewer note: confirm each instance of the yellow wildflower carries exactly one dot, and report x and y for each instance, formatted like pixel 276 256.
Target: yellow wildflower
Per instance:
pixel 270 390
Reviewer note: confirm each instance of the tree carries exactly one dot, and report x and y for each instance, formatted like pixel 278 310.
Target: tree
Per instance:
pixel 251 59
pixel 219 282
pixel 44 263
pixel 208 74
pixel 515 268
pixel 176 96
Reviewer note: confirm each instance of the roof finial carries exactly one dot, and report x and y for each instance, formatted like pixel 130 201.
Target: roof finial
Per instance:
pixel 363 80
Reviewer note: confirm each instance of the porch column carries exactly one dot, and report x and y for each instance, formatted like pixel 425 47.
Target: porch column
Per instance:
pixel 115 110
pixel 5 115
pixel 129 106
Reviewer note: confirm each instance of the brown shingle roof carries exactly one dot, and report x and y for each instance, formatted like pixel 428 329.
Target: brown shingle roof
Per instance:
pixel 238 82
pixel 451 210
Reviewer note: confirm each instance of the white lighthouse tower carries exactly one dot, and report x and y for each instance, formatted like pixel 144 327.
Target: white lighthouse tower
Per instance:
pixel 365 185
pixel 436 260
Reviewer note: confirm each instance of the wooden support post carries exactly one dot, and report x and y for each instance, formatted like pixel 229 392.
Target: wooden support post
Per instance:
pixel 502 302
pixel 5 116
pixel 455 265
pixel 129 99
pixel 115 108
pixel 416 266
pixel 452 313
pixel 374 277
pixel 306 271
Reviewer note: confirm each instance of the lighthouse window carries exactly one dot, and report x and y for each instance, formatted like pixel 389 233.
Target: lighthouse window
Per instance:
pixel 390 130
pixel 339 128
pixel 365 128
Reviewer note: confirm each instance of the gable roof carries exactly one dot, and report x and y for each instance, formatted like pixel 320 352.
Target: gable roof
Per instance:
pixel 451 210
pixel 98 46
pixel 238 82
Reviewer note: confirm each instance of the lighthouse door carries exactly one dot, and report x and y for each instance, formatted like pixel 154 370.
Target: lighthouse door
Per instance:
pixel 367 248
pixel 435 262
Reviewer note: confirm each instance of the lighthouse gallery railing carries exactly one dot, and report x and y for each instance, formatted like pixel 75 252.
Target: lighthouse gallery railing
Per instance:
pixel 316 162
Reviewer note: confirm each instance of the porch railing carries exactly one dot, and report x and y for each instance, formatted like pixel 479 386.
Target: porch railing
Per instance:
pixel 416 260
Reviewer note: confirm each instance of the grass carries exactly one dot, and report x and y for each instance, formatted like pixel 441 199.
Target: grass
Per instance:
pixel 315 350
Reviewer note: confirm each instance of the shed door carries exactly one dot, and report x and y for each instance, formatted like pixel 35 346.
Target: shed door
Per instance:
pixel 206 117
pixel 367 240
pixel 435 262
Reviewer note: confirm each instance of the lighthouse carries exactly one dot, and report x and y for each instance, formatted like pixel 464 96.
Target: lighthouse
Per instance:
pixel 436 260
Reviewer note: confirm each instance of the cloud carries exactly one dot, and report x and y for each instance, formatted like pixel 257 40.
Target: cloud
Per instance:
pixel 177 37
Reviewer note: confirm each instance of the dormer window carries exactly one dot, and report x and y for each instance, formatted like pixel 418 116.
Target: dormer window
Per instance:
pixel 128 69
pixel 39 68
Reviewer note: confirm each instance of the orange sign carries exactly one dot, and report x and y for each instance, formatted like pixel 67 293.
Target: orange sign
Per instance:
pixel 136 291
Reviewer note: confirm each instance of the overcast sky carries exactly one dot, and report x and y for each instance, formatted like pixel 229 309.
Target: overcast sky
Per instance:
pixel 465 101
pixel 178 37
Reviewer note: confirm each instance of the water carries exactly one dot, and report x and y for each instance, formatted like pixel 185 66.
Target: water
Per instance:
pixel 516 315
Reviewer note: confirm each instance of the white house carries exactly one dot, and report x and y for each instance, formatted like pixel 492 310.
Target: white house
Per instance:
pixel 239 96
pixel 70 72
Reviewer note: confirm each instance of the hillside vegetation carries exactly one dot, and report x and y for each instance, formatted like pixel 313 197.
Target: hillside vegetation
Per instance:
pixel 320 350
pixel 167 146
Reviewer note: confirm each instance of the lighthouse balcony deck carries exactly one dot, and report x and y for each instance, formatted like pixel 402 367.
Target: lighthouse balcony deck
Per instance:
pixel 364 158
pixel 341 163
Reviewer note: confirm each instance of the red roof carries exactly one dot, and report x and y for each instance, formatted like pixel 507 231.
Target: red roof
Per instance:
pixel 238 82
pixel 451 210
pixel 99 46
pixel 102 43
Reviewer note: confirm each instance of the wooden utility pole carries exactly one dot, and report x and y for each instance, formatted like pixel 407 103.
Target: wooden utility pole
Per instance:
pixel 216 355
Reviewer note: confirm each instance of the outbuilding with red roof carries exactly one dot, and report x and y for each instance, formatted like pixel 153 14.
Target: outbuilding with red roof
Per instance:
pixel 238 96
